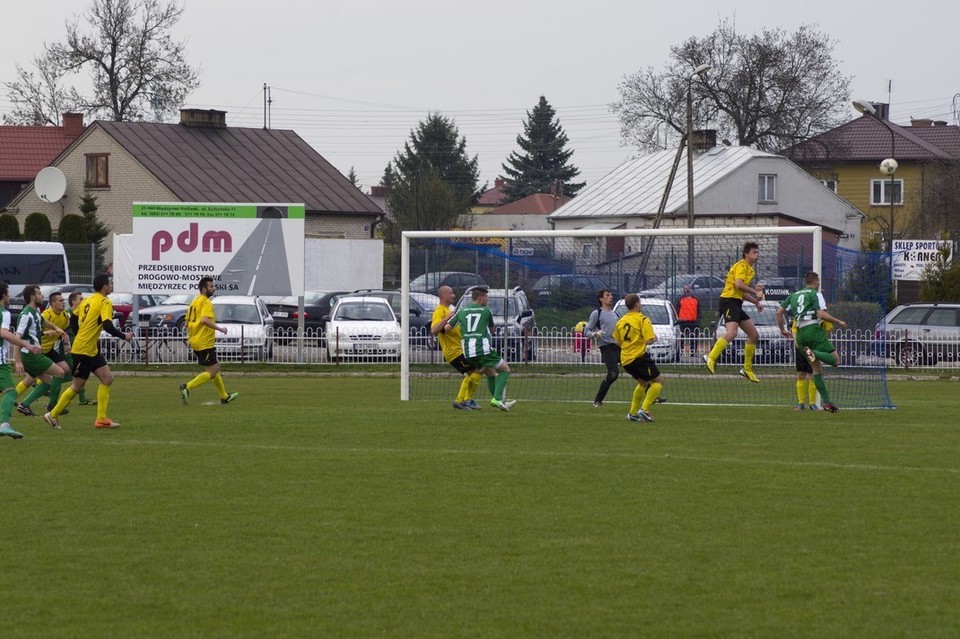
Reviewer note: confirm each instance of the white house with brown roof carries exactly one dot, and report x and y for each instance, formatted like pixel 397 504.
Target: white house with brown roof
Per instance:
pixel 202 160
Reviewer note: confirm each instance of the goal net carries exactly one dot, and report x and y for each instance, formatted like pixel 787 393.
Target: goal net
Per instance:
pixel 543 287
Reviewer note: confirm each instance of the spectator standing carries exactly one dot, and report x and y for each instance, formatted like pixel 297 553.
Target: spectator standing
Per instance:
pixel 688 317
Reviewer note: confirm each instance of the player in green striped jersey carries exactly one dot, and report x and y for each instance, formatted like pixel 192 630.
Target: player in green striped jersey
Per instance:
pixel 475 321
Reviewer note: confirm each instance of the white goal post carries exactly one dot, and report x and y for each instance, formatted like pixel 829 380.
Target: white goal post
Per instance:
pixel 815 233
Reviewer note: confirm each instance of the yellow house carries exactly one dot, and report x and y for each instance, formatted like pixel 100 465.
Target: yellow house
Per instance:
pixel 847 160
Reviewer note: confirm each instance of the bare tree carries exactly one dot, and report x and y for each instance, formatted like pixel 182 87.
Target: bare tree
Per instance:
pixel 940 197
pixel 137 70
pixel 767 90
pixel 40 97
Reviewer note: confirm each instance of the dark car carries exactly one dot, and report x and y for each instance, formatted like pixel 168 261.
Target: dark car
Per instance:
pixel 286 312
pixel 168 318
pixel 706 288
pixel 459 281
pixel 514 323
pixel 569 291
pixel 123 304
pixel 16 301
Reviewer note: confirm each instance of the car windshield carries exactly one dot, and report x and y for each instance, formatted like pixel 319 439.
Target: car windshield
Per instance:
pixel 236 313
pixel 179 299
pixel 363 312
pixel 657 313
pixel 496 306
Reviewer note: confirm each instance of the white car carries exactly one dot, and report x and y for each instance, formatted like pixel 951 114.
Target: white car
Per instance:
pixel 361 326
pixel 249 327
pixel 664 319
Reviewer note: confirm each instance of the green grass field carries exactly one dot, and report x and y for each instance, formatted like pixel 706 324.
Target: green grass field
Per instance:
pixel 325 507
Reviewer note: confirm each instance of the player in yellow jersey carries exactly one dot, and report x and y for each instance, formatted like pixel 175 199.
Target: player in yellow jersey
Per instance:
pixel 201 325
pixel 53 345
pixel 633 333
pixel 736 289
pixel 74 300
pixel 94 315
pixel 449 338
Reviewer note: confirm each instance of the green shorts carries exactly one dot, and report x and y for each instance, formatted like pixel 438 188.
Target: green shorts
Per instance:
pixel 490 360
pixel 814 337
pixel 35 365
pixel 6 377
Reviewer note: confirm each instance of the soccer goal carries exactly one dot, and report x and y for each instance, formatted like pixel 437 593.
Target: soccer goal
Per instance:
pixel 543 286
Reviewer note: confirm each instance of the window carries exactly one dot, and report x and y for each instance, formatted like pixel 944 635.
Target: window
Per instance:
pixel 586 252
pixel 880 192
pixel 830 184
pixel 768 188
pixel 98 173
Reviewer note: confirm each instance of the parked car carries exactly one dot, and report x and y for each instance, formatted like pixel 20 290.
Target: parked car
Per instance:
pixel 457 280
pixel 569 291
pixel 167 319
pixel 249 327
pixel 123 305
pixel 316 304
pixel 707 288
pixel 664 319
pixel 772 347
pixel 514 323
pixel 362 326
pixel 920 334
pixel 419 316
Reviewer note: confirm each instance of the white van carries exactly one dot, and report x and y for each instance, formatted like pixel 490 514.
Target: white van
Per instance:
pixel 23 263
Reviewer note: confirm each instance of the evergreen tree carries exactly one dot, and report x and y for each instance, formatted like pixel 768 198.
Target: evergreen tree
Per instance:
pixel 389 176
pixel 436 144
pixel 432 180
pixel 36 228
pixel 352 176
pixel 96 229
pixel 9 227
pixel 543 158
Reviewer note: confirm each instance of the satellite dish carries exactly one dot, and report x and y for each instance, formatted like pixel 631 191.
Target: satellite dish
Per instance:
pixel 50 184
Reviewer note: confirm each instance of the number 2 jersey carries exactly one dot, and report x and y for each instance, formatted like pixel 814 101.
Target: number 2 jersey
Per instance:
pixel 632 332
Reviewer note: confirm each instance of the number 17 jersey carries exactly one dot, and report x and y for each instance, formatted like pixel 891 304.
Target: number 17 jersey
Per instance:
pixel 474 321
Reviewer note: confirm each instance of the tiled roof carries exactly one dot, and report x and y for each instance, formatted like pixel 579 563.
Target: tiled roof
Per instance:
pixel 866 139
pixel 538 204
pixel 636 186
pixel 24 150
pixel 946 138
pixel 491 197
pixel 203 164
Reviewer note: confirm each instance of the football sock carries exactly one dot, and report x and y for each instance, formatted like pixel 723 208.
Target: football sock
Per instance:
pixel 492 385
pixel 501 384
pixel 464 391
pixel 822 387
pixel 7 404
pixel 21 387
pixel 718 348
pixel 748 352
pixel 65 398
pixel 473 382
pixel 802 385
pixel 37 391
pixel 651 396
pixel 55 385
pixel 202 378
pixel 103 401
pixel 637 398
pixel 221 389
pixel 811 387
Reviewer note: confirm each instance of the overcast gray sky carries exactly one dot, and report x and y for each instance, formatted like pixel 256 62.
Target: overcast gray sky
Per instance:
pixel 353 77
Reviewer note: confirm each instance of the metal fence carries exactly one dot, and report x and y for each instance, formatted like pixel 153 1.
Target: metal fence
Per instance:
pixel 549 347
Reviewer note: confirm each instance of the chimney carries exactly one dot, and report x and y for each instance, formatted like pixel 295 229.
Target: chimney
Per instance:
pixel 921 122
pixel 379 191
pixel 498 183
pixel 203 118
pixel 883 110
pixel 703 140
pixel 939 123
pixel 72 125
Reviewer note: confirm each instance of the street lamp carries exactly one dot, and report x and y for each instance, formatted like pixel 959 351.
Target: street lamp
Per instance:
pixel 887 166
pixel 699 72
